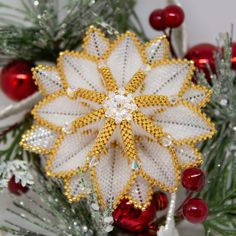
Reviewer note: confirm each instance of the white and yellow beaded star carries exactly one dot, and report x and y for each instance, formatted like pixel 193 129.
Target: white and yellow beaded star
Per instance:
pixel 123 114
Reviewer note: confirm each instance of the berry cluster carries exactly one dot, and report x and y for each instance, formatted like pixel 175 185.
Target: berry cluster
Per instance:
pixel 169 17
pixel 195 210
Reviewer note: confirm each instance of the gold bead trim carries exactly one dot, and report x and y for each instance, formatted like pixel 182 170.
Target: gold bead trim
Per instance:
pixel 91 95
pixel 89 118
pixel 151 100
pixel 107 78
pixel 103 138
pixel 135 82
pixel 147 124
pixel 128 140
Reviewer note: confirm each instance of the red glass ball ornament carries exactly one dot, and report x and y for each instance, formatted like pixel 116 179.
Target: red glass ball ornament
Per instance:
pixel 16 80
pixel 161 200
pixel 173 16
pixel 195 210
pixel 234 55
pixel 201 55
pixel 151 231
pixel 16 188
pixel 134 220
pixel 193 179
pixel 156 20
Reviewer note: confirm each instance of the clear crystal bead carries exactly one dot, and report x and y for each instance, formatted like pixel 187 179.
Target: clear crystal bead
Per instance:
pixel 109 228
pixel 146 68
pixel 93 162
pixel 95 206
pixel 119 106
pixel 67 128
pixel 224 102
pixel 166 141
pixel 173 99
pixel 135 165
pixel 70 92
pixel 108 219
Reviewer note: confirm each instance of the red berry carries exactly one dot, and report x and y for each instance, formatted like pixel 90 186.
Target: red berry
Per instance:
pixel 16 80
pixel 16 188
pixel 161 200
pixel 193 179
pixel 156 20
pixel 173 16
pixel 195 210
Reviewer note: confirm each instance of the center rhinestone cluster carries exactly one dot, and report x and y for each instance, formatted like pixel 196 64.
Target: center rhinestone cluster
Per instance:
pixel 119 106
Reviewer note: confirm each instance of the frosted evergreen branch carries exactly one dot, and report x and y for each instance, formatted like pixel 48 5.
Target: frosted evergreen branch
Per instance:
pixel 18 169
pixel 220 152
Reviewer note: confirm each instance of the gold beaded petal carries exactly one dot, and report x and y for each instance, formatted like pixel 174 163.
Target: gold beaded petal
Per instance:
pixel 122 115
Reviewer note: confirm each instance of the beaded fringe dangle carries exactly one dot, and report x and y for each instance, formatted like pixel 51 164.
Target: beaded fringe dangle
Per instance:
pixel 169 229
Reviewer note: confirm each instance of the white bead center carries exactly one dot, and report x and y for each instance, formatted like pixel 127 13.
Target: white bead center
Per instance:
pixel 119 106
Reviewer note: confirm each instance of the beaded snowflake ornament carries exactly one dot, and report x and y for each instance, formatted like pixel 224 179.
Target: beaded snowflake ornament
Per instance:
pixel 121 115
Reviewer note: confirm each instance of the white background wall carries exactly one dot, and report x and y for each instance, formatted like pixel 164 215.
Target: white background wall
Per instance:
pixel 205 19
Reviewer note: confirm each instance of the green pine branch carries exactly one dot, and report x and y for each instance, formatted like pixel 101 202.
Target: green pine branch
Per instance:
pixel 42 31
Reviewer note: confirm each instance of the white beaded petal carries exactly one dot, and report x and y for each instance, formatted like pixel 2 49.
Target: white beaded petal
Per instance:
pixel 47 79
pixel 121 60
pixel 112 173
pixel 62 111
pixel 78 185
pixel 157 49
pixel 182 123
pixel 81 72
pixel 158 163
pixel 72 152
pixel 197 95
pixel 96 44
pixel 139 191
pixel 40 138
pixel 188 155
pixel 167 78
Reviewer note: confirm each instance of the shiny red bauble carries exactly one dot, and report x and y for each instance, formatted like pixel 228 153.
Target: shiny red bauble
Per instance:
pixel 234 56
pixel 156 20
pixel 195 210
pixel 127 217
pixel 16 188
pixel 161 200
pixel 151 231
pixel 193 179
pixel 202 54
pixel 173 16
pixel 16 80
